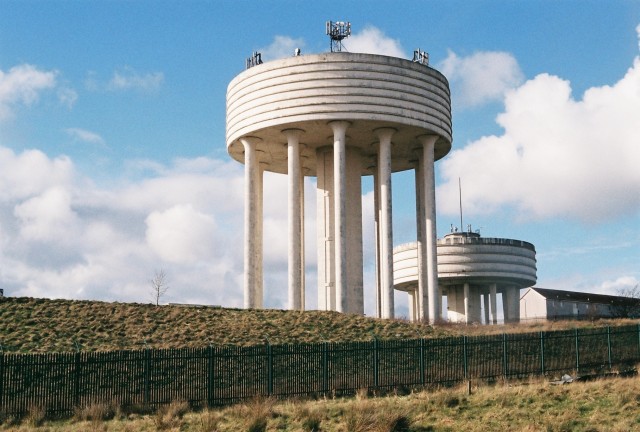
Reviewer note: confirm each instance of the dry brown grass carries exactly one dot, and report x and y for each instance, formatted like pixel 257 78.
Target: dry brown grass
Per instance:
pixel 603 405
pixel 40 325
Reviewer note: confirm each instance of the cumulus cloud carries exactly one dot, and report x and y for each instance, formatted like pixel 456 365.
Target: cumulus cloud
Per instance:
pixel 281 47
pixel 372 40
pixel 47 216
pixel 480 78
pixel 84 135
pixel 558 156
pixel 22 85
pixel 181 234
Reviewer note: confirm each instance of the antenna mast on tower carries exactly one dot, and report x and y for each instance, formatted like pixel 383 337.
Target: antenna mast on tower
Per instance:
pixel 337 31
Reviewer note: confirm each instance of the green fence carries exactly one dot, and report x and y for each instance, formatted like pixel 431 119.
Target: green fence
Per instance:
pixel 218 375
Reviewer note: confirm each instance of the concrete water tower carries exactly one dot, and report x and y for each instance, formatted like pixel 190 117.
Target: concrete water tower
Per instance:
pixel 472 271
pixel 339 116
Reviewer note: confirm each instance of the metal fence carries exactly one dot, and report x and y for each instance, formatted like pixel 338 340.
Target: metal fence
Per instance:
pixel 219 375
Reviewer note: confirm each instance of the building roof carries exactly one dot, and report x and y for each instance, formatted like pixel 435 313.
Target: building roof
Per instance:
pixel 584 297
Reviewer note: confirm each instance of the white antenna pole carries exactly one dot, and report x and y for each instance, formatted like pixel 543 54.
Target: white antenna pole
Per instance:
pixel 460 195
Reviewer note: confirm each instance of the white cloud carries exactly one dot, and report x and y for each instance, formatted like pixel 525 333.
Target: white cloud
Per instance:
pixel 480 78
pixel 557 157
pixel 84 135
pixel 128 79
pixel 281 47
pixel 372 40
pixel 181 234
pixel 22 85
pixel 47 216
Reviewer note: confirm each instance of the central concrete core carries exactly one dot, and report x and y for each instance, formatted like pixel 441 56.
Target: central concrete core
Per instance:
pixel 339 116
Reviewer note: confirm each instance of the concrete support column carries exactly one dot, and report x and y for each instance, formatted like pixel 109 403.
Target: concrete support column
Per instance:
pixel 493 303
pixel 340 211
pixel 295 220
pixel 252 225
pixel 485 301
pixel 429 236
pixel 386 224
pixel 467 305
pixel 413 305
pixel 376 228
pixel 423 298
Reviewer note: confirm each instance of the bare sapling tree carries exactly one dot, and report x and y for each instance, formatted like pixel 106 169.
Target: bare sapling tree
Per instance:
pixel 629 307
pixel 159 286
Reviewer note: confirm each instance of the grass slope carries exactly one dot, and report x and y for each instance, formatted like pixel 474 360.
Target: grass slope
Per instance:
pixel 42 325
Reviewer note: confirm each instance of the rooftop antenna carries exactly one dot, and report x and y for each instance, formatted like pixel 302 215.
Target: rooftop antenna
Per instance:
pixel 337 31
pixel 460 195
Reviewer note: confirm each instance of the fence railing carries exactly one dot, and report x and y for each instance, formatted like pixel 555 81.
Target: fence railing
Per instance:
pixel 218 375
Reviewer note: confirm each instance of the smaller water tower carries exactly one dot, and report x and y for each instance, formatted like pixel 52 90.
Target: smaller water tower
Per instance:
pixel 472 272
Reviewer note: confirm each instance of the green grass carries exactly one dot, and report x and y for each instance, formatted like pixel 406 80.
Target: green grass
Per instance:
pixel 41 325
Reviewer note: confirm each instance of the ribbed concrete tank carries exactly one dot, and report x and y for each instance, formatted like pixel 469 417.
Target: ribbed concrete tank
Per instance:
pixel 471 268
pixel 337 116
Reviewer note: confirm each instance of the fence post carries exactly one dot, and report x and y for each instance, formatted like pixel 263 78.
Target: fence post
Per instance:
pixel 325 367
pixel 541 353
pixel 269 368
pixel 609 345
pixel 422 361
pixel 464 356
pixel 210 375
pixel 147 375
pixel 76 377
pixel 375 362
pixel 505 369
pixel 577 353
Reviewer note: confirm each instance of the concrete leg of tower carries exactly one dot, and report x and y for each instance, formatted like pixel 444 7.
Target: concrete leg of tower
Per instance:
pixel 493 304
pixel 386 226
pixel 252 232
pixel 485 304
pixel 429 235
pixel 355 293
pixel 456 304
pixel 467 303
pixel 340 211
pixel 422 294
pixel 295 220
pixel 475 309
pixel 413 304
pixel 376 229
pixel 327 231
pixel 511 304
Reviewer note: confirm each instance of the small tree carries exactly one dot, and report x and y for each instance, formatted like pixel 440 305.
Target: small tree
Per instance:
pixel 629 307
pixel 159 285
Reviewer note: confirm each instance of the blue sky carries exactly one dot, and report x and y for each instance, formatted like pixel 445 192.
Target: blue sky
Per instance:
pixel 113 160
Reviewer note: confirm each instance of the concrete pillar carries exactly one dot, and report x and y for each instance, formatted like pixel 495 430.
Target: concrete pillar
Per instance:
pixel 340 211
pixel 412 305
pixel 429 235
pixel 355 293
pixel 376 229
pixel 423 298
pixel 252 232
pixel 386 225
pixel 295 221
pixel 485 301
pixel 493 304
pixel 302 241
pixel 325 230
pixel 467 304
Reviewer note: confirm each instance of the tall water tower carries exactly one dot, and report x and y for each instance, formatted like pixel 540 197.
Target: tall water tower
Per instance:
pixel 340 116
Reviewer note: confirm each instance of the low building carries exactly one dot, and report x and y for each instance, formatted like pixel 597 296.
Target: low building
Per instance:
pixel 550 304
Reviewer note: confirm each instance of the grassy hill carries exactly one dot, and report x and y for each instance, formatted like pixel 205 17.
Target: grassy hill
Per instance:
pixel 42 325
